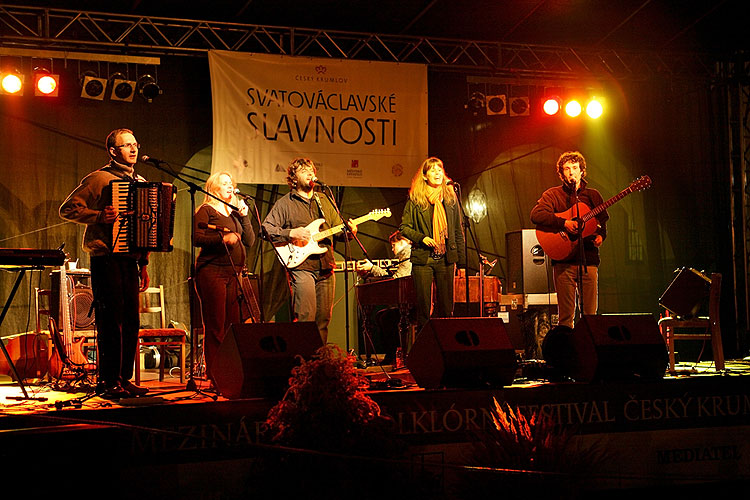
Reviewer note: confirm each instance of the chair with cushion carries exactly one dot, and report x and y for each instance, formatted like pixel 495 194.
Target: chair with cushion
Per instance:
pixel 152 302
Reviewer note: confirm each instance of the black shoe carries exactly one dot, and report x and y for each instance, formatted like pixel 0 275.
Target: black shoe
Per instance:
pixel 133 389
pixel 113 392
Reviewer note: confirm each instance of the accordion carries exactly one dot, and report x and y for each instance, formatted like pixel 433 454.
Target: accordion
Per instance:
pixel 146 216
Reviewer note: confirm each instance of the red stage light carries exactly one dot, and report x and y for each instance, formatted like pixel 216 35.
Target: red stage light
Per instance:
pixel 12 83
pixel 551 106
pixel 46 84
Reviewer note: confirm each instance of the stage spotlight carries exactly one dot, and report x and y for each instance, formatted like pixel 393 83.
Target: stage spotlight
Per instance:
pixel 476 102
pixel 93 87
pixel 496 105
pixel 11 83
pixel 519 106
pixel 594 108
pixel 122 89
pixel 573 108
pixel 148 88
pixel 552 106
pixel 45 83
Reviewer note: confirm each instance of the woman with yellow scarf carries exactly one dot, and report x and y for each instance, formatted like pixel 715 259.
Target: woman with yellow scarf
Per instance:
pixel 432 221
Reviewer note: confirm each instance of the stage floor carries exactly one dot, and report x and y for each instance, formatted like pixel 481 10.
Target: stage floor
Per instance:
pixel 691 427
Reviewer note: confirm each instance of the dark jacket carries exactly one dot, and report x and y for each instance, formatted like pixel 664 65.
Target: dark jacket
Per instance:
pixel 416 224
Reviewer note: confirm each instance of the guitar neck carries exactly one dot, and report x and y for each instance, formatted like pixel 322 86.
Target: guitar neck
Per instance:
pixel 600 208
pixel 340 227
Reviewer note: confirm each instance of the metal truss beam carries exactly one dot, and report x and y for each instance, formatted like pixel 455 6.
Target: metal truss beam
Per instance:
pixel 59 29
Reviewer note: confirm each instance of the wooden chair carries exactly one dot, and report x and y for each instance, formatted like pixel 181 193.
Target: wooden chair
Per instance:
pixel 160 337
pixel 710 325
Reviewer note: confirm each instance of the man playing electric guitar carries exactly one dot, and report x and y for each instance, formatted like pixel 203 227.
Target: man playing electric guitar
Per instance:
pixel 312 282
pixel 556 212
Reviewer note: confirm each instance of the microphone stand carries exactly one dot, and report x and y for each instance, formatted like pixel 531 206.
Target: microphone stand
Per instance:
pixel 260 235
pixel 581 254
pixel 468 230
pixel 347 255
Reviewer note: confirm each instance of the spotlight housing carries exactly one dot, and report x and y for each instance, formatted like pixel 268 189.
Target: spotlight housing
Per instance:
pixel 519 106
pixel 573 108
pixel 122 88
pixel 552 105
pixel 11 82
pixel 496 104
pixel 93 87
pixel 45 83
pixel 594 108
pixel 476 102
pixel 148 88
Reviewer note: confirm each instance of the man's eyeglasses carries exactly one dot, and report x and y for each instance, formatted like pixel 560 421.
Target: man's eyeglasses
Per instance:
pixel 129 145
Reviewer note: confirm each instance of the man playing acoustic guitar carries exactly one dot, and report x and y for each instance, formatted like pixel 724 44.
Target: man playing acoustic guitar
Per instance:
pixel 548 215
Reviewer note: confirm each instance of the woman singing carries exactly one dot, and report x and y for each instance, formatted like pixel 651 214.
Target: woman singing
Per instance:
pixel 220 233
pixel 432 222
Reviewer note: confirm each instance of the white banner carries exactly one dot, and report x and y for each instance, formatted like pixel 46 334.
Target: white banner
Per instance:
pixel 362 123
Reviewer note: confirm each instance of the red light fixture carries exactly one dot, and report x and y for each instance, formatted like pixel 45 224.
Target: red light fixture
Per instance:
pixel 46 84
pixel 11 83
pixel 551 105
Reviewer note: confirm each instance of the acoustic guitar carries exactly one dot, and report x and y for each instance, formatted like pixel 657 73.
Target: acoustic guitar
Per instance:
pixel 560 245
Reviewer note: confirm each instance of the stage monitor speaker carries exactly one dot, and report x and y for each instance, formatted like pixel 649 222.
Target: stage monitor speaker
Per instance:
pixel 256 359
pixel 529 268
pixel 80 299
pixel 684 296
pixel 462 352
pixel 618 347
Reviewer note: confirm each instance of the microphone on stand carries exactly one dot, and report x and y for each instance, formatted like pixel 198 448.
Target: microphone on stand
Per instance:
pixel 318 181
pixel 241 194
pixel 151 159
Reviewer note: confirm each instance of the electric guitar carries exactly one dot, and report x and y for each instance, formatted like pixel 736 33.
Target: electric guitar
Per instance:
pixel 296 252
pixel 560 245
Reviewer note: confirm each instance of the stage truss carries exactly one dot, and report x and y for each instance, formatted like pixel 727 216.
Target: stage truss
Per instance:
pixel 72 30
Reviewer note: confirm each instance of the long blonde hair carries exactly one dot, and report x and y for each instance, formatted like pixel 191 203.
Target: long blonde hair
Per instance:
pixel 419 187
pixel 213 185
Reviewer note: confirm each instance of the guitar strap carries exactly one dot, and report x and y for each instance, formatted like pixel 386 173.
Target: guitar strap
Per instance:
pixel 320 206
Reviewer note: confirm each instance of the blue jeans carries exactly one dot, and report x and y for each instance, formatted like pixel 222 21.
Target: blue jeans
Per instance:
pixel 312 297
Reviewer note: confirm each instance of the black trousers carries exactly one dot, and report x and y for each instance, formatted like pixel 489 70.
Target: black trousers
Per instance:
pixel 220 306
pixel 115 285
pixel 441 273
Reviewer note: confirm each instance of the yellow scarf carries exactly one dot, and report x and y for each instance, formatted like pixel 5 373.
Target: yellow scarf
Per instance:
pixel 439 219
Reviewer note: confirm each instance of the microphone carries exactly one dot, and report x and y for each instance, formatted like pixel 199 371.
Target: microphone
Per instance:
pixel 214 227
pixel 241 194
pixel 318 181
pixel 450 182
pixel 151 159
